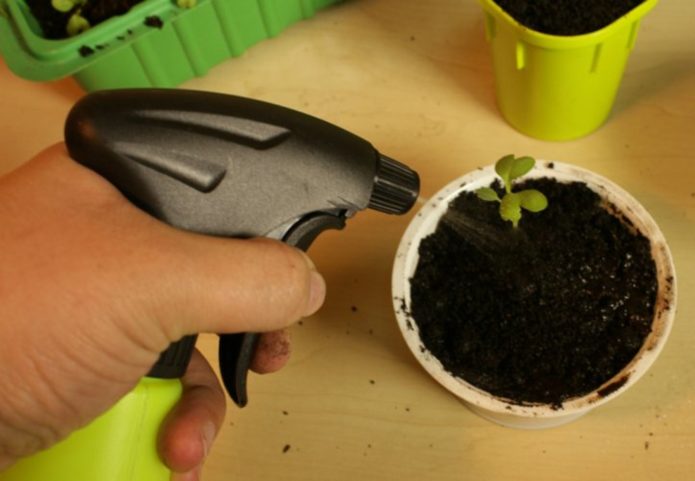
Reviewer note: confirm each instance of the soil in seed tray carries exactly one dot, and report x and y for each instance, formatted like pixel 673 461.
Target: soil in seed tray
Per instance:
pixel 550 311
pixel 53 23
pixel 567 17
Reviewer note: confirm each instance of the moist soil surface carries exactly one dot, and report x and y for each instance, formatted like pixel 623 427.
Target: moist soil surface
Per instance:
pixel 567 17
pixel 53 23
pixel 541 313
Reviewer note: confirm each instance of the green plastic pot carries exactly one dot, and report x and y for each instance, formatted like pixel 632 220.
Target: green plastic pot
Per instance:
pixel 127 53
pixel 558 87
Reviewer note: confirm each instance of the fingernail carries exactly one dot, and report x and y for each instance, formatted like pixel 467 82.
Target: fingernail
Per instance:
pixel 209 432
pixel 317 293
pixel 308 260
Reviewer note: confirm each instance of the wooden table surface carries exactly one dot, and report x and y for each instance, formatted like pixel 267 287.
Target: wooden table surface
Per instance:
pixel 415 79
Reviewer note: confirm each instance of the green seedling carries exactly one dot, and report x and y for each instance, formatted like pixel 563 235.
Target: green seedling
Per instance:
pixel 512 203
pixel 77 24
pixel 66 5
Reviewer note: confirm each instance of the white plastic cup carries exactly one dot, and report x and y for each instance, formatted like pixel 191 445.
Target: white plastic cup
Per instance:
pixel 535 415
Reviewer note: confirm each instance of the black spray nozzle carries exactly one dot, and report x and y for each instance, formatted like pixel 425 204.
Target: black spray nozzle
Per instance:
pixel 396 187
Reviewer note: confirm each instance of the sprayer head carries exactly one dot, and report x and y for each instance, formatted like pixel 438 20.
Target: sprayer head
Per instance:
pixel 232 167
pixel 396 187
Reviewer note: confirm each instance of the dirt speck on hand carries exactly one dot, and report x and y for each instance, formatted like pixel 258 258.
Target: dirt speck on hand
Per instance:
pixel 286 448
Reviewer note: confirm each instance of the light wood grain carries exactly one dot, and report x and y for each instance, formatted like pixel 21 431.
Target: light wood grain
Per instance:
pixel 415 79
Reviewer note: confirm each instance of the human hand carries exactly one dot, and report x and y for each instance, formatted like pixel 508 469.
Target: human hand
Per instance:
pixel 92 290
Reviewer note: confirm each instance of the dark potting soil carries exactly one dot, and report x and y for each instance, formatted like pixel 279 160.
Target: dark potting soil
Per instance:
pixel 53 23
pixel 154 21
pixel 567 17
pixel 548 311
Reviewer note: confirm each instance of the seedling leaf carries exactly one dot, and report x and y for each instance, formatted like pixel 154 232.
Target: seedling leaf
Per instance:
pixel 533 200
pixel 521 166
pixel 487 194
pixel 63 5
pixel 77 24
pixel 503 167
pixel 510 208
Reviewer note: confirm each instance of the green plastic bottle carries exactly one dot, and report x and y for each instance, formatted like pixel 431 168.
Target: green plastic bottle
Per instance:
pixel 120 445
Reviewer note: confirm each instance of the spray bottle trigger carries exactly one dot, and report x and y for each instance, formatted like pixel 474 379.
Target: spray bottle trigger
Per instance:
pixel 236 351
pixel 303 233
pixel 235 355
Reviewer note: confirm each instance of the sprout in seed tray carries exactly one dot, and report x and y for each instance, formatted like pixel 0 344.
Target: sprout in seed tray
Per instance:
pixel 511 203
pixel 78 24
pixel 66 5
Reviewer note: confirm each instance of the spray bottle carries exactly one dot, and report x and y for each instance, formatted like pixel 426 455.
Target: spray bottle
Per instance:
pixel 217 165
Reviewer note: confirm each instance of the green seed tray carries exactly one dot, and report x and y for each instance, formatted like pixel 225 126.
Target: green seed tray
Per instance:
pixel 124 52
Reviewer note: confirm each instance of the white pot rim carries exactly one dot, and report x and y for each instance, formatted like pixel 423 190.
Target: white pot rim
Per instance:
pixel 425 222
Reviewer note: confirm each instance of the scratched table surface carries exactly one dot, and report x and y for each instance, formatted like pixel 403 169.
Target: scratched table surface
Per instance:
pixel 415 78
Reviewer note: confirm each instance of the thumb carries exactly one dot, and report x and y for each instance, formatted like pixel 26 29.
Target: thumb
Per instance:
pixel 235 285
